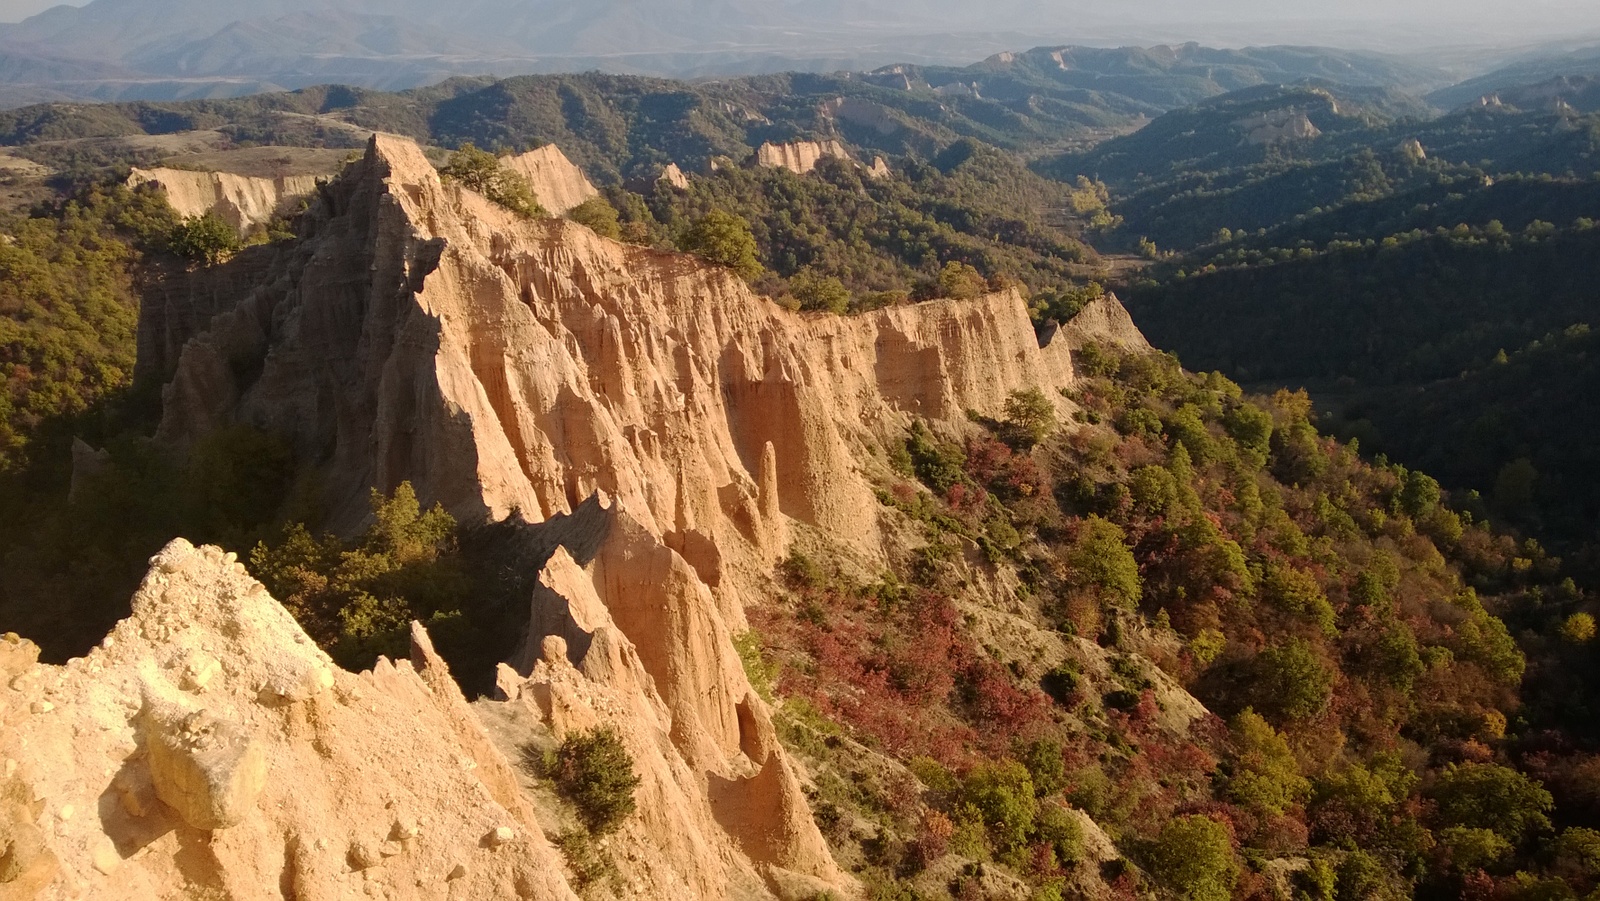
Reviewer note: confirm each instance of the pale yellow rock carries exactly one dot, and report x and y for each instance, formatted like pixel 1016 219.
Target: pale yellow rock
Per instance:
pixel 799 157
pixel 671 428
pixel 242 201
pixel 286 787
pixel 557 183
pixel 1105 321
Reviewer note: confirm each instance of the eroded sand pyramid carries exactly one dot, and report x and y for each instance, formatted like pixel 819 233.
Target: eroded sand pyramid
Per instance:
pixel 659 428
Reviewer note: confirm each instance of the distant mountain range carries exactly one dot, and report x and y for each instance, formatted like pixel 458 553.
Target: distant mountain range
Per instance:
pixel 178 49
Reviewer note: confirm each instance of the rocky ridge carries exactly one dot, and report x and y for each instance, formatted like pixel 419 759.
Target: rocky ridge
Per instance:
pixel 798 157
pixel 659 427
pixel 558 183
pixel 242 201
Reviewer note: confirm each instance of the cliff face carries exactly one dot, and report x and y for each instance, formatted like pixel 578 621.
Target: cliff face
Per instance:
pixel 799 157
pixel 557 183
pixel 241 201
pixel 658 426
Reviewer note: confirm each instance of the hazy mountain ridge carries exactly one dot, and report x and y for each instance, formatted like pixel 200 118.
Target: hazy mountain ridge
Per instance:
pixel 408 44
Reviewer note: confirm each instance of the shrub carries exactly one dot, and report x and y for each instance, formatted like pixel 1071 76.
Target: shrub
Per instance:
pixel 1193 858
pixel 819 293
pixel 594 771
pixel 599 216
pixel 1058 828
pixel 205 240
pixel 1029 417
pixel 724 238
pixel 1003 795
pixel 358 602
pixel 482 171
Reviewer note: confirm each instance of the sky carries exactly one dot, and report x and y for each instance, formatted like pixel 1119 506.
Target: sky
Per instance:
pixel 17 10
pixel 1380 24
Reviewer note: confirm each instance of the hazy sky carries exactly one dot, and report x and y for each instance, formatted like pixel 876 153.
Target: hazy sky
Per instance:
pixel 1378 23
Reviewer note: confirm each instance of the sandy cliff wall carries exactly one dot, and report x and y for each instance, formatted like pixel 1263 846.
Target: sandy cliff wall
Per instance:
pixel 645 411
pixel 240 200
pixel 799 157
pixel 557 183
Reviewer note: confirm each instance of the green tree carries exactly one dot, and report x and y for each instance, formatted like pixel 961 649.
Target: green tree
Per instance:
pixel 1492 797
pixel 1003 794
pixel 1578 628
pixel 822 293
pixel 1291 681
pixel 358 602
pixel 206 240
pixel 1296 592
pixel 1029 417
pixel 1099 560
pixel 483 172
pixel 599 216
pixel 724 238
pixel 1263 773
pixel 961 281
pixel 1193 858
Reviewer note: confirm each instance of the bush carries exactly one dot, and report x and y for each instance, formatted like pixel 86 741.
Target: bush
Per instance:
pixel 818 293
pixel 1003 795
pixel 960 281
pixel 1193 858
pixel 358 602
pixel 482 171
pixel 594 771
pixel 599 216
pixel 205 240
pixel 1029 417
pixel 725 239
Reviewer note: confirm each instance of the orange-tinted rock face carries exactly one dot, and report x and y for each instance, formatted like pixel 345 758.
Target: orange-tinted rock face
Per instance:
pixel 242 201
pixel 505 367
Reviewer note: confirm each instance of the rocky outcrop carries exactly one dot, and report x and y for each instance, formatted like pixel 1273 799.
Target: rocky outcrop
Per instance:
pixel 798 157
pixel 1278 125
pixel 556 181
pixel 661 429
pixel 670 175
pixel 1104 321
pixel 242 201
pixel 208 749
pixel 421 333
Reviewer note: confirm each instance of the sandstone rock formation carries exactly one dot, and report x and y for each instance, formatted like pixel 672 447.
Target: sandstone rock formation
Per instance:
pixel 208 749
pixel 1278 125
pixel 1104 320
pixel 242 201
pixel 662 431
pixel 556 181
pixel 670 175
pixel 798 157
